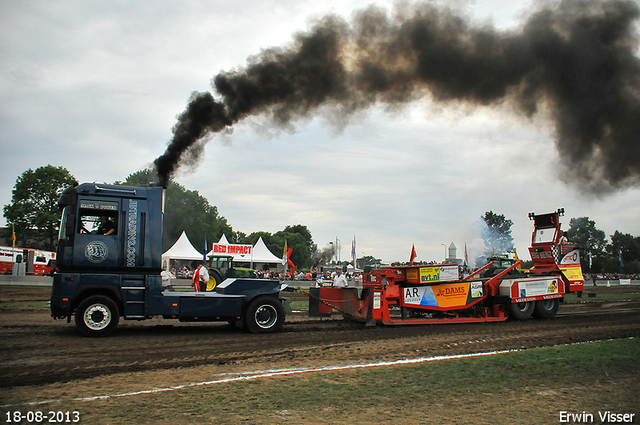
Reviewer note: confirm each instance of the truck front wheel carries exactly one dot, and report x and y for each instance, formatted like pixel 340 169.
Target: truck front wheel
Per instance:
pixel 97 316
pixel 264 314
pixel 521 311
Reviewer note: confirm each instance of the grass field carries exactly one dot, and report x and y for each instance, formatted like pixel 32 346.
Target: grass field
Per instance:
pixel 523 387
pixel 603 296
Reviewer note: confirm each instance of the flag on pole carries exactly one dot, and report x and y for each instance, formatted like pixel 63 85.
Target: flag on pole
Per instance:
pixel 284 254
pixel 289 262
pixel 353 252
pixel 517 259
pixel 466 257
pixel 413 254
pixel 13 235
pixel 620 259
pixel 204 256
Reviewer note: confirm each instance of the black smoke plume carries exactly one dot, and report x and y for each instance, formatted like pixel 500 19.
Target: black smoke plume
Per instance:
pixel 574 59
pixel 323 257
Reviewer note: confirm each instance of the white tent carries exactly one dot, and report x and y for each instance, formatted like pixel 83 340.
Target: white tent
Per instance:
pixel 184 250
pixel 259 254
pixel 240 253
pixel 181 250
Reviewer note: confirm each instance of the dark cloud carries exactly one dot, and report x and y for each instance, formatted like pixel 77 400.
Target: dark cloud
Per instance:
pixel 574 59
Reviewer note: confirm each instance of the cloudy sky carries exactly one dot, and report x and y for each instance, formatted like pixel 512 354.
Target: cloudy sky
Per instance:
pixel 96 87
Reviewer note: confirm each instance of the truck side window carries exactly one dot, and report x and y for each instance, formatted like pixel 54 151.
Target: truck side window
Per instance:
pixel 98 222
pixel 98 217
pixel 65 221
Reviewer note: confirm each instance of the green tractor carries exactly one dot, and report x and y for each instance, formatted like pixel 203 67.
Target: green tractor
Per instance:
pixel 221 267
pixel 500 264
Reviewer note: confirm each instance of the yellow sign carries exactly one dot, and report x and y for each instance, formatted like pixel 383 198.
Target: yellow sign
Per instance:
pixel 429 274
pixel 572 273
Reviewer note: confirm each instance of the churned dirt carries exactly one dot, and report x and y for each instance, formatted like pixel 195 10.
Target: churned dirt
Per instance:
pixel 45 359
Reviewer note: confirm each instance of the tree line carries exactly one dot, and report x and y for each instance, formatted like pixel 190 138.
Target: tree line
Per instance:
pixel 620 254
pixel 34 216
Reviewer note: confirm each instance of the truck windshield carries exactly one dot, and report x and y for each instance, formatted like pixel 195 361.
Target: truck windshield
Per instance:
pixel 544 235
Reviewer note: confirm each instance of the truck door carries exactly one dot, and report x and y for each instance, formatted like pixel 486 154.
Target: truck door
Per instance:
pixel 97 234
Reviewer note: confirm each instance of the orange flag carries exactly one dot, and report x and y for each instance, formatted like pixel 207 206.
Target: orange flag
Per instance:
pixel 413 254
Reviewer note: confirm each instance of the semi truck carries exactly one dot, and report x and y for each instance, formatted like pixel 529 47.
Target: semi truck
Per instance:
pixel 438 293
pixel 109 266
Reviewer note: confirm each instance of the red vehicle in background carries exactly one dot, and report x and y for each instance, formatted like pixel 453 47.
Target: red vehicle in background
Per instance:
pixel 43 261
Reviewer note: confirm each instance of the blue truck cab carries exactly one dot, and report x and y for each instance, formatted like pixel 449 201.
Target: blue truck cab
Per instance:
pixel 109 263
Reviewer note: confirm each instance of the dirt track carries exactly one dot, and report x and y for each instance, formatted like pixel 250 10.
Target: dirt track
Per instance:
pixel 37 350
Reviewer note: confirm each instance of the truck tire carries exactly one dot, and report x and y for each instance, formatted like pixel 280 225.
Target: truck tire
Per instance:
pixel 97 316
pixel 521 311
pixel 546 309
pixel 264 314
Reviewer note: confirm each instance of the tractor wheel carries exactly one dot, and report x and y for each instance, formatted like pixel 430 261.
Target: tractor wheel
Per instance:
pixel 521 311
pixel 214 280
pixel 97 316
pixel 546 309
pixel 264 314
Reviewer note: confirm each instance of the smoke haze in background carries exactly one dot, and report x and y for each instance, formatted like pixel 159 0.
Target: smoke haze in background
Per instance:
pixel 574 61
pixel 323 256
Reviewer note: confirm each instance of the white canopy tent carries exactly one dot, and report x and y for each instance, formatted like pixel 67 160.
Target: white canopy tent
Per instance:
pixel 237 251
pixel 181 250
pixel 184 250
pixel 259 253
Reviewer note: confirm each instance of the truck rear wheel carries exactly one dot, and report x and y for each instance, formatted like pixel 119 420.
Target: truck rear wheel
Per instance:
pixel 97 316
pixel 264 314
pixel 546 309
pixel 521 311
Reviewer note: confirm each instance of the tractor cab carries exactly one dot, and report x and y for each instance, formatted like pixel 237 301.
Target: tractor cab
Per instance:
pixel 550 250
pixel 500 264
pixel 221 267
pixel 221 264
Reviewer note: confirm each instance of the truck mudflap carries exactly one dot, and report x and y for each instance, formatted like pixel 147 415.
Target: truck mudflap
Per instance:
pixel 60 307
